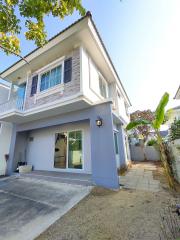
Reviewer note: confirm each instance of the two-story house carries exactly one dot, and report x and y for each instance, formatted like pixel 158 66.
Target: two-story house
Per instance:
pixel 175 112
pixel 68 107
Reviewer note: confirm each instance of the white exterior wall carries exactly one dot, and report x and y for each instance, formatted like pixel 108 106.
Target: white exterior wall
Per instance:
pixel 5 140
pixel 175 113
pixel 90 86
pixel 122 109
pixel 40 152
pixel 90 80
pixel 5 132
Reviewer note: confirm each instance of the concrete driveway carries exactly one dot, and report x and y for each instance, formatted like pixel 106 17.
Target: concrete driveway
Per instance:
pixel 28 206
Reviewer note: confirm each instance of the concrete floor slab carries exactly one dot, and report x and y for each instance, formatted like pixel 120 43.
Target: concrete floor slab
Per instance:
pixel 28 206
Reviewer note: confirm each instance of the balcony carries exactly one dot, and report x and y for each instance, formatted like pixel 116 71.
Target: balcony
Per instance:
pixel 15 104
pixel 13 110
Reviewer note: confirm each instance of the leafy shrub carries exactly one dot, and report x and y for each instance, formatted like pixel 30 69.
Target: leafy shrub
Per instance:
pixel 175 130
pixel 152 142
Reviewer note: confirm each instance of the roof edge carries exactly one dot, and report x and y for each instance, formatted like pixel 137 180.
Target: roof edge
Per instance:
pixel 88 15
pixel 109 58
pixel 177 93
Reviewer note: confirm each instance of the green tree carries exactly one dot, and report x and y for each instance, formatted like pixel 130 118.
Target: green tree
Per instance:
pixel 156 124
pixel 142 131
pixel 33 12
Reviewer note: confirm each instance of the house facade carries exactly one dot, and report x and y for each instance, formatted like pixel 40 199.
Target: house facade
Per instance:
pixel 174 112
pixel 68 108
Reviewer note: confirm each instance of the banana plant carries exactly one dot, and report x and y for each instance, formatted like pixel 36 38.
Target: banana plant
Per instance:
pixel 156 124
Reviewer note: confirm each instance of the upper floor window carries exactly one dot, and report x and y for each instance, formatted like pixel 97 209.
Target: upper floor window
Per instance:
pixel 122 106
pixel 51 78
pixel 102 87
pixel 126 107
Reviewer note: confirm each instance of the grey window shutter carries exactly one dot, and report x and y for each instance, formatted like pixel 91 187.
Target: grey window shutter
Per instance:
pixel 67 70
pixel 34 85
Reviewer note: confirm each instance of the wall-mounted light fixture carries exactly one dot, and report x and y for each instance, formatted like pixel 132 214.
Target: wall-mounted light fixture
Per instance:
pixel 99 122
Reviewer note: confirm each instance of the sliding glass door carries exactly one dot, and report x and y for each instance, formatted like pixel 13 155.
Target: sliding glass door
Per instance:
pixel 75 150
pixel 60 154
pixel 68 150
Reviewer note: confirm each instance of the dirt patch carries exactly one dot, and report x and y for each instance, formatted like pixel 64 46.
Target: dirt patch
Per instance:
pixel 117 215
pixel 122 171
pixel 158 174
pixel 110 215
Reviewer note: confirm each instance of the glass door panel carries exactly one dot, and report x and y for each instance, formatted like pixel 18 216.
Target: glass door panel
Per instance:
pixel 21 91
pixel 116 145
pixel 75 150
pixel 60 156
pixel 20 96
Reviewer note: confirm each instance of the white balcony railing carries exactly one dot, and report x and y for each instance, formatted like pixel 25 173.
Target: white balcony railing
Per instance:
pixel 13 104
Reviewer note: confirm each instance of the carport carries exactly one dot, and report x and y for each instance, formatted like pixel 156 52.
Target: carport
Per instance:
pixel 30 204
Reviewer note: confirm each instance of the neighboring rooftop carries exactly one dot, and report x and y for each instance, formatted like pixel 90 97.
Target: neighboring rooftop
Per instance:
pixel 176 108
pixel 177 96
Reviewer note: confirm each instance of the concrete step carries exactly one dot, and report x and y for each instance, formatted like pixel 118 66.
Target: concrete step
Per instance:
pixel 62 179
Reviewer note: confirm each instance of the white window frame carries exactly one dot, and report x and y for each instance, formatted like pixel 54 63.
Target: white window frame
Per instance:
pixel 49 67
pixel 106 84
pixel 67 168
pixel 48 70
pixel 97 91
pixel 118 97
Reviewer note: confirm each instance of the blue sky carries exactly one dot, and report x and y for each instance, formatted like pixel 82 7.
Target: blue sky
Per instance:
pixel 143 40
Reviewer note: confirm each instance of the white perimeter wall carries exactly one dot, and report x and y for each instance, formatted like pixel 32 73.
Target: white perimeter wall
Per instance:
pixel 175 155
pixel 137 154
pixel 5 140
pixel 40 152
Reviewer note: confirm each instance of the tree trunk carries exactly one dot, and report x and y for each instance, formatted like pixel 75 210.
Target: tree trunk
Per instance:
pixel 164 161
pixel 142 145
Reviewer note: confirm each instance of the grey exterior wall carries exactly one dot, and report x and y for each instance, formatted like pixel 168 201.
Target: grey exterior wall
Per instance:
pixel 20 147
pixel 152 154
pixel 40 151
pixel 103 159
pixel 123 144
pixel 70 88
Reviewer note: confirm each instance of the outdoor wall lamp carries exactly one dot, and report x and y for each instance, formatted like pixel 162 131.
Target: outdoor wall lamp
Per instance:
pixel 99 122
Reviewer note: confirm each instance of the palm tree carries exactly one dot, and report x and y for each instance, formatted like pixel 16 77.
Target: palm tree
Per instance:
pixel 156 124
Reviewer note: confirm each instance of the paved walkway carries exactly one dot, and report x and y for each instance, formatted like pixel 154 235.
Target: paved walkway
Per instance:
pixel 140 177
